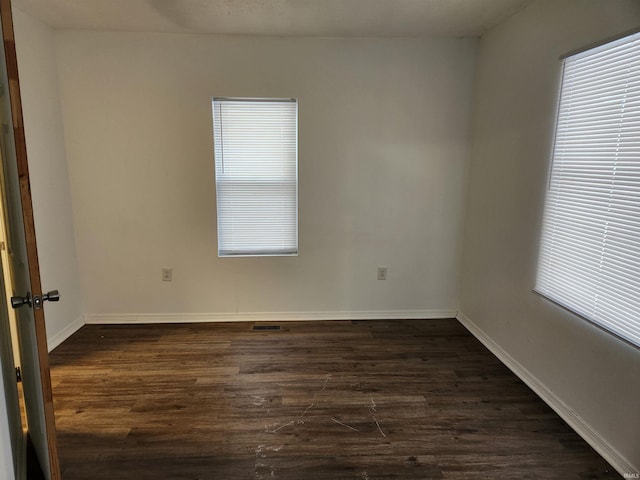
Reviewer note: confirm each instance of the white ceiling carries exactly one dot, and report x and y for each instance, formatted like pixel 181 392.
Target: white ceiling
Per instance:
pixel 369 18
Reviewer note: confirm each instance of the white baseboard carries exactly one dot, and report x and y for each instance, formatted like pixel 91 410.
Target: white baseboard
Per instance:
pixel 267 316
pixel 65 333
pixel 599 444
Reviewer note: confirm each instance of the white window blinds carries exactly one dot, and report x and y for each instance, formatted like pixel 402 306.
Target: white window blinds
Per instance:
pixel 256 167
pixel 590 250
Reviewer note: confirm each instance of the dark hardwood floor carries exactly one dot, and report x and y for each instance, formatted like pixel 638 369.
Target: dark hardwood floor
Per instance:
pixel 314 400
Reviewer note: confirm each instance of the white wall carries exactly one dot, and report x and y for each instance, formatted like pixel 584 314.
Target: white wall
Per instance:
pixel 52 209
pixel 592 372
pixel 383 136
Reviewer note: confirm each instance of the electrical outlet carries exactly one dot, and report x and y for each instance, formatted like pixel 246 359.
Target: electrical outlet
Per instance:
pixel 382 273
pixel 166 274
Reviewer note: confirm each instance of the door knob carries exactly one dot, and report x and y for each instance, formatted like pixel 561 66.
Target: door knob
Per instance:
pixel 52 296
pixel 17 302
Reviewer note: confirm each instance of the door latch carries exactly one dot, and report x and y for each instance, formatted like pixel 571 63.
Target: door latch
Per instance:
pixel 52 296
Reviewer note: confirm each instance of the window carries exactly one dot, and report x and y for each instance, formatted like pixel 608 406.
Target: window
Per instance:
pixel 256 167
pixel 590 249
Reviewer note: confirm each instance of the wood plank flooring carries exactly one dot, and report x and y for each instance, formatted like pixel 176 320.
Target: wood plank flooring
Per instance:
pixel 314 400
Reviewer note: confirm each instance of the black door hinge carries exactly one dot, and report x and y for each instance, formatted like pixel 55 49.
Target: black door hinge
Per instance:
pixel 18 375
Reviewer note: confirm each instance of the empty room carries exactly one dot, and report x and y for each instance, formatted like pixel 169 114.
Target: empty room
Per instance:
pixel 320 239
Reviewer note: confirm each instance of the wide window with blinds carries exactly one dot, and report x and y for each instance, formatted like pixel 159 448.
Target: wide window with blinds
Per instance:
pixel 590 250
pixel 256 168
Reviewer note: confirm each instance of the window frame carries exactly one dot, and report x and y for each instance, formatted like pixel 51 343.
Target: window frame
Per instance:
pixel 263 252
pixel 604 326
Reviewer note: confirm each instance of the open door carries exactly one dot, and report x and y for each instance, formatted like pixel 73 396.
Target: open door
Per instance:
pixel 10 388
pixel 27 297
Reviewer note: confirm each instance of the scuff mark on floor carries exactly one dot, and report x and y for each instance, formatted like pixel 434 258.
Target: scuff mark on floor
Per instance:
pixel 313 402
pixel 279 428
pixel 378 425
pixel 260 467
pixel 345 425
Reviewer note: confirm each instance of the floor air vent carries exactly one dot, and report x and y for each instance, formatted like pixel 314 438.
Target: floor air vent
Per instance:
pixel 266 327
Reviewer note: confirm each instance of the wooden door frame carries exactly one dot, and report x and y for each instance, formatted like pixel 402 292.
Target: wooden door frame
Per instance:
pixel 29 230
